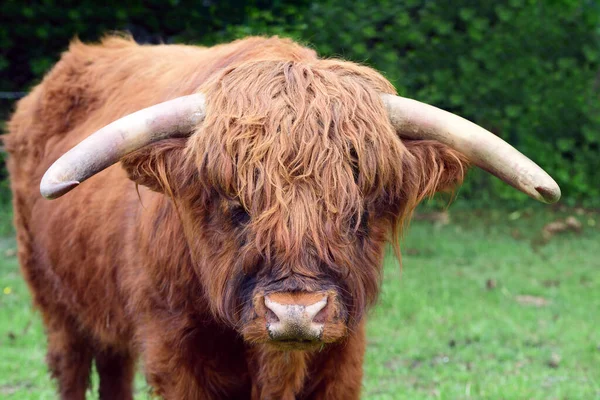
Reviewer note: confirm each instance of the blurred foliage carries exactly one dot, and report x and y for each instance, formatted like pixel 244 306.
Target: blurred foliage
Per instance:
pixel 525 69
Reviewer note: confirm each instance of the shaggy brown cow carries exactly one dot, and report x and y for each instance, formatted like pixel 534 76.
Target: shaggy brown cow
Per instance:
pixel 239 243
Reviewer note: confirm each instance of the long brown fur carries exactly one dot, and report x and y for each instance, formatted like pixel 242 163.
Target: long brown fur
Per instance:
pixel 294 182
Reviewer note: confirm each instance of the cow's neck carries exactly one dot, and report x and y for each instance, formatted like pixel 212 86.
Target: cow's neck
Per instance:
pixel 277 374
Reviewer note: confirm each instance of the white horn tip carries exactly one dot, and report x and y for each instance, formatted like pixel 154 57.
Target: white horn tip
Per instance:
pixel 53 190
pixel 549 194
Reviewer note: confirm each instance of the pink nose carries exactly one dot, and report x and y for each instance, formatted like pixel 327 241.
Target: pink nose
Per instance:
pixel 295 316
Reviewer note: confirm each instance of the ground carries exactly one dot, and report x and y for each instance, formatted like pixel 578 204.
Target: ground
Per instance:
pixel 485 307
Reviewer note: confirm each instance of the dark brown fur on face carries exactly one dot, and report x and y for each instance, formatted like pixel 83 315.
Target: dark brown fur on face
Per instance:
pixel 294 183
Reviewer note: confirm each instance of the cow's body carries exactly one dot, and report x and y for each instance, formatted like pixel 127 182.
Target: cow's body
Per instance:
pixel 110 268
pixel 244 262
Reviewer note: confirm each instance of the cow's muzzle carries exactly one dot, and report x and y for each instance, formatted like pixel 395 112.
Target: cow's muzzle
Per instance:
pixel 297 320
pixel 296 317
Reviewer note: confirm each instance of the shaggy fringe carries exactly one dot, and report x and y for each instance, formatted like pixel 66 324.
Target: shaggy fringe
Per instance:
pixel 302 146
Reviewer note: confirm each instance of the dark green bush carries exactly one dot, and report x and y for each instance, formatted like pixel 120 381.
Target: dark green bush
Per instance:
pixel 525 69
pixel 33 33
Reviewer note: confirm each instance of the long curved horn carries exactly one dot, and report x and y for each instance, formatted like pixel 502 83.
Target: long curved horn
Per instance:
pixel 416 120
pixel 108 145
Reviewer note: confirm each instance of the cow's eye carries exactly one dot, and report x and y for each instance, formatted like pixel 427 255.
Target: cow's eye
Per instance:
pixel 239 216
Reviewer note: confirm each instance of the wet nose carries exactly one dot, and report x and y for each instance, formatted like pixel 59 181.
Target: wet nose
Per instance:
pixel 295 316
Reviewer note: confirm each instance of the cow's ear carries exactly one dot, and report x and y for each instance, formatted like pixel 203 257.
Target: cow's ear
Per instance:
pixel 159 166
pixel 434 167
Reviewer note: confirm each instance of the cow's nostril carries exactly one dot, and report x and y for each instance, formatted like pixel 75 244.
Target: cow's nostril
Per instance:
pixel 322 315
pixel 270 316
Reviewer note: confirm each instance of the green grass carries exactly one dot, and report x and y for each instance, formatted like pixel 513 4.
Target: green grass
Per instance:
pixel 440 330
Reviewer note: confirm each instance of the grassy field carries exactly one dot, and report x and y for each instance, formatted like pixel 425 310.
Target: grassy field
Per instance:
pixel 484 308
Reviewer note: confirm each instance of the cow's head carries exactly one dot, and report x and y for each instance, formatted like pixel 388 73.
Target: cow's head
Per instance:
pixel 289 181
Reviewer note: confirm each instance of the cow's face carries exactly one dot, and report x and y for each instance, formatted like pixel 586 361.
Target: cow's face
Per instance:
pixel 299 187
pixel 295 272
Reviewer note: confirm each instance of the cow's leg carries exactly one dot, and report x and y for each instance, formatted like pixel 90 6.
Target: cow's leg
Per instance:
pixel 69 359
pixel 340 374
pixel 116 372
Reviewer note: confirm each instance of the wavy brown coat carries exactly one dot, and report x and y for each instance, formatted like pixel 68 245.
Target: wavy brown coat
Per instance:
pixel 295 178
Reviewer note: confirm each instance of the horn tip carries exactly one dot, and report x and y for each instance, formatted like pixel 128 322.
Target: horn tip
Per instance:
pixel 549 195
pixel 53 190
